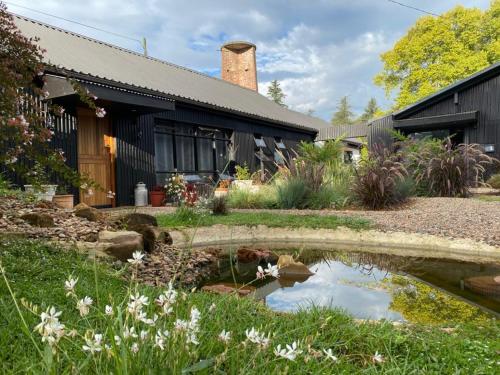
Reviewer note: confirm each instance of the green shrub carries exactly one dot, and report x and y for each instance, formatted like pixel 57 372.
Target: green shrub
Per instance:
pixel 265 197
pixel 494 181
pixel 327 197
pixel 242 172
pixel 375 184
pixel 292 193
pixel 219 206
pixel 405 188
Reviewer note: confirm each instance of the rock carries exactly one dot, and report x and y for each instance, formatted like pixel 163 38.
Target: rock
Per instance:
pixel 120 244
pixel 89 213
pixel 228 288
pixel 46 205
pixel 289 267
pixel 250 255
pixel 139 219
pixel 151 235
pixel 37 219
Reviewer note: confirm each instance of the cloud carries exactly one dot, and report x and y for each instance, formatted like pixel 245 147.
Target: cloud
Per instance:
pixel 319 50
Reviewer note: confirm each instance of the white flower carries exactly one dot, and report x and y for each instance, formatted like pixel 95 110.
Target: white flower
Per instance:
pixel 377 358
pixel 69 286
pixel 136 258
pixel 329 354
pixel 160 340
pixel 181 325
pixel 108 310
pixel 83 305
pixel 118 340
pixel 260 273
pixel 134 348
pixel 225 336
pixel 257 338
pixel 212 307
pixel 50 328
pixel 272 271
pixel 129 333
pixel 290 352
pixel 93 345
pixel 149 322
pixel 144 335
pixel 191 327
pixel 135 305
pixel 167 299
pixel 100 112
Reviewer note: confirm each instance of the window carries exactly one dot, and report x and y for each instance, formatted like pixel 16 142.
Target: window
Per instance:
pixel 280 151
pixel 280 144
pixel 259 141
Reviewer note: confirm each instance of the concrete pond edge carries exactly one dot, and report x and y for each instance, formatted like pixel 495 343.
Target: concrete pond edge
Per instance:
pixel 342 238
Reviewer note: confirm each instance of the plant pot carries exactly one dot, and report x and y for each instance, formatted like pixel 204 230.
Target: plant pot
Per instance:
pixel 44 192
pixel 243 184
pixel 64 200
pixel 157 198
pixel 220 192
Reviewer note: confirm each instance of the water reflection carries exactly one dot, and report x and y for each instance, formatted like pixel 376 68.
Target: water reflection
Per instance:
pixel 378 286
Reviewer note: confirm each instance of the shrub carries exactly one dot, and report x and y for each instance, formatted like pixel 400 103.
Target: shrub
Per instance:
pixel 494 181
pixel 242 172
pixel 327 197
pixel 451 171
pixel 292 193
pixel 375 183
pixel 405 188
pixel 219 206
pixel 265 197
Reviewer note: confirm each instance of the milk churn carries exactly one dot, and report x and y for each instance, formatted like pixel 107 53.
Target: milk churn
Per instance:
pixel 141 195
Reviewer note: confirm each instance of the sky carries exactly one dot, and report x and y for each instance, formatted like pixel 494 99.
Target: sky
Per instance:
pixel 320 50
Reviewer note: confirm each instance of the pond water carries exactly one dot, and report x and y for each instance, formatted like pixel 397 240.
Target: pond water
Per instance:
pixel 378 286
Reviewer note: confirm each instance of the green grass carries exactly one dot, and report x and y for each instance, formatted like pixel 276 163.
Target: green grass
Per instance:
pixel 488 198
pixel 36 273
pixel 271 219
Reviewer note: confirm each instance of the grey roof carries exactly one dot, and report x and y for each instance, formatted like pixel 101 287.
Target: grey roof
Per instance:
pixel 80 54
pixel 490 71
pixel 344 131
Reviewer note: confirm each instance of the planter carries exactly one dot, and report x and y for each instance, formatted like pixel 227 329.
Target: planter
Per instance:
pixel 220 192
pixel 64 200
pixel 243 184
pixel 157 198
pixel 45 192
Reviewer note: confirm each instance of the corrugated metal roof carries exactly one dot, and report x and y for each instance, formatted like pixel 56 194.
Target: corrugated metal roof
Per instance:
pixel 80 54
pixel 344 131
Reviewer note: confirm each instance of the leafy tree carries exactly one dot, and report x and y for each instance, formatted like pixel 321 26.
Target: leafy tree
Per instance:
pixel 343 115
pixel 25 133
pixel 438 51
pixel 275 93
pixel 371 111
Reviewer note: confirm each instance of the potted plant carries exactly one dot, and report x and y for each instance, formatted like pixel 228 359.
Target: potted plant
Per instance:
pixel 243 177
pixel 157 196
pixel 175 188
pixel 41 189
pixel 62 198
pixel 222 188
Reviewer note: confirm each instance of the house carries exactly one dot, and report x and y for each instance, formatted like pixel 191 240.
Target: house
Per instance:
pixel 468 110
pixel 354 137
pixel 160 118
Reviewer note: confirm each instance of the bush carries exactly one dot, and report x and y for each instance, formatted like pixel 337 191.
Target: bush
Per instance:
pixel 242 172
pixel 327 197
pixel 405 188
pixel 375 183
pixel 451 171
pixel 494 181
pixel 292 193
pixel 265 197
pixel 219 206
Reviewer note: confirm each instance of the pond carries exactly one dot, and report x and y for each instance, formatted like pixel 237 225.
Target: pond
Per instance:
pixel 377 286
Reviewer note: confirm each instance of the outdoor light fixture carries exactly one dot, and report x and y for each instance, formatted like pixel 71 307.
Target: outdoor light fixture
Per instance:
pixel 489 148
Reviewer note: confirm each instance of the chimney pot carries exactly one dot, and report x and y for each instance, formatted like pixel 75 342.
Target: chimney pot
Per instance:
pixel 239 64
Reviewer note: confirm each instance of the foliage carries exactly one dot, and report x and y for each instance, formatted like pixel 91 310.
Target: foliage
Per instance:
pixel 264 197
pixel 371 111
pixel 329 153
pixel 26 118
pixel 242 172
pixel 438 51
pixel 494 181
pixel 270 219
pixel 219 206
pixel 450 171
pixel 292 193
pixel 376 179
pixel 275 93
pixel 343 114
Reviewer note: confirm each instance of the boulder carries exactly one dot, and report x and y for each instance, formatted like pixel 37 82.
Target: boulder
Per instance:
pixel 227 288
pixel 250 255
pixel 89 213
pixel 120 244
pixel 38 219
pixel 133 219
pixel 151 235
pixel 289 267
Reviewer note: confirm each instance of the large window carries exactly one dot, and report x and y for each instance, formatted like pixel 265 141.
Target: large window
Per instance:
pixel 187 149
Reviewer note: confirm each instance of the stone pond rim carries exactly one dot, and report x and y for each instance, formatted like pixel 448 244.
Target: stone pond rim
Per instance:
pixel 394 243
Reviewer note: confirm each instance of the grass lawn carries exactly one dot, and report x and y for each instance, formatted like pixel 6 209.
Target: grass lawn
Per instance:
pixel 489 198
pixel 187 218
pixel 36 273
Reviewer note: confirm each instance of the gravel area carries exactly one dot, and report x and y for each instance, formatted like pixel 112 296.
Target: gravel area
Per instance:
pixel 445 217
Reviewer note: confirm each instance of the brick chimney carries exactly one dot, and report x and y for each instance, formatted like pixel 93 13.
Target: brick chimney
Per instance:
pixel 239 65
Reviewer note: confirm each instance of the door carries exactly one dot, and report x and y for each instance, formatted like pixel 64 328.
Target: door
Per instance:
pixel 95 156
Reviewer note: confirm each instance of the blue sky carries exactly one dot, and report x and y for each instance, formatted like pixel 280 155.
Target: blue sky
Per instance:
pixel 320 50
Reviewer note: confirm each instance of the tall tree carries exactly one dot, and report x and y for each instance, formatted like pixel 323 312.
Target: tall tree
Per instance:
pixel 343 115
pixel 371 111
pixel 438 51
pixel 275 93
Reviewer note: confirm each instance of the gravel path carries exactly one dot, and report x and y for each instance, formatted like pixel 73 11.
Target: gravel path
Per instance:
pixel 446 217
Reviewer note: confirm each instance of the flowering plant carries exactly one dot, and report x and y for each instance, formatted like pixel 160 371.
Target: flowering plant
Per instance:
pixel 175 187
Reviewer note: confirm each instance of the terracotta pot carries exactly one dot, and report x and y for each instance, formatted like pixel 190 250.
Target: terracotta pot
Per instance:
pixel 157 198
pixel 221 192
pixel 64 201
